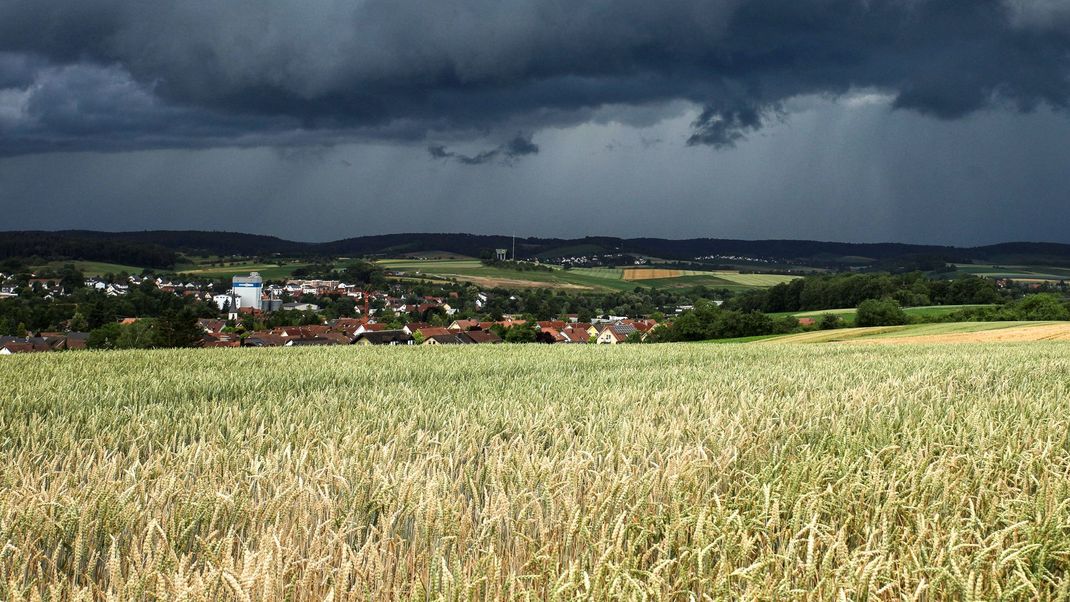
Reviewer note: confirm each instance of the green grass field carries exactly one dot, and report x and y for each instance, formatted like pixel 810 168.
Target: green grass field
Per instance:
pixel 473 270
pixel 93 268
pixel 607 273
pixel 679 282
pixel 269 271
pixel 599 279
pixel 1015 272
pixel 665 472
pixel 910 330
pixel 754 280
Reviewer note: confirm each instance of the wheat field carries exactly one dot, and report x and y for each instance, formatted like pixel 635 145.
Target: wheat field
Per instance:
pixel 647 472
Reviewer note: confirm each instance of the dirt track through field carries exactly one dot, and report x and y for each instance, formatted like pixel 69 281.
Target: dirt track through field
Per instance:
pixel 1018 334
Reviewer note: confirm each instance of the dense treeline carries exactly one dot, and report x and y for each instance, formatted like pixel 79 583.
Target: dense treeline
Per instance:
pixel 811 253
pixel 91 309
pixel 1041 307
pixel 359 272
pixel 54 246
pixel 170 329
pixel 546 304
pixel 849 290
pixel 708 321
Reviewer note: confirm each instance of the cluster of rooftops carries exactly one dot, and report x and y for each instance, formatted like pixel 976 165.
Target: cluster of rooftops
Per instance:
pixel 359 331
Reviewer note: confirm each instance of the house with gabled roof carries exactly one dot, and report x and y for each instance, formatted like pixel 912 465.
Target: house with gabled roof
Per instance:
pixel 453 338
pixel 432 331
pixel 464 325
pixel 576 335
pixel 369 327
pixel 211 326
pixel 549 335
pixel 11 345
pixel 615 333
pixel 413 327
pixel 263 339
pixel 312 342
pixel 483 337
pixel 384 337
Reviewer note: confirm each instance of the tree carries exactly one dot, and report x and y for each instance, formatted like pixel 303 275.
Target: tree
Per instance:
pixel 829 322
pixel 105 337
pixel 139 335
pixel 385 315
pixel 79 323
pixel 521 333
pixel 1041 307
pixel 880 312
pixel 705 321
pixel 177 329
pixel 71 278
pixel 431 314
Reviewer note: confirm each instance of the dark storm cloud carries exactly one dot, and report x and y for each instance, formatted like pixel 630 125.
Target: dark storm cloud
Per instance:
pixel 129 73
pixel 17 70
pixel 508 153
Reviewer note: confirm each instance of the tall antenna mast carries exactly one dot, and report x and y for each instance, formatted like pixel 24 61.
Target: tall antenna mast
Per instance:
pixel 514 245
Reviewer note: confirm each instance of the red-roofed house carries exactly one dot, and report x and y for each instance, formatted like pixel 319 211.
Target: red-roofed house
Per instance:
pixel 464 325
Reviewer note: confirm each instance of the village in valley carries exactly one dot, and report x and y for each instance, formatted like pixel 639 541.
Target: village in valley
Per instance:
pixel 249 297
pixel 572 294
pixel 380 317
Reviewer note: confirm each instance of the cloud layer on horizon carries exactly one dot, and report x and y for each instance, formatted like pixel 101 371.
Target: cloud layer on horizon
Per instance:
pixel 127 74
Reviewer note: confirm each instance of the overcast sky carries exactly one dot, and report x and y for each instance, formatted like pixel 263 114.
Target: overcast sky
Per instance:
pixel 854 120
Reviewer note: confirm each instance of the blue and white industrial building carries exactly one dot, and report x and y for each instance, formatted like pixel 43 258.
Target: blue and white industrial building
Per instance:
pixel 248 290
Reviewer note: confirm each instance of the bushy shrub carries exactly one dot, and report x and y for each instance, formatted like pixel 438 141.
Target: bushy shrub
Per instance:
pixel 880 312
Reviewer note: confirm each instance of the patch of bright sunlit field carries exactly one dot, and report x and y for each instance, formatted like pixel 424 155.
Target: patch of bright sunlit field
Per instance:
pixel 532 472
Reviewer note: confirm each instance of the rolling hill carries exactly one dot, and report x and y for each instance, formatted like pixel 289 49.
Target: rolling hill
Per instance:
pixel 159 248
